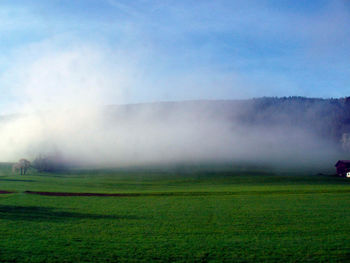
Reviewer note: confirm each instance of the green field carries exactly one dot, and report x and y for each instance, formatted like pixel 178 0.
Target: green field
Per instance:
pixel 176 215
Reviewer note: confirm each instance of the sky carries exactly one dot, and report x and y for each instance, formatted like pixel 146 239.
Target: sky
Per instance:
pixel 116 52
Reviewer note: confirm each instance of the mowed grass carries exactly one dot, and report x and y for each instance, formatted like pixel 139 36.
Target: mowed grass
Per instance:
pixel 185 216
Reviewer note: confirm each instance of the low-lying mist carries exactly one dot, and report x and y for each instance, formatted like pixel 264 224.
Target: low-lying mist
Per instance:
pixel 165 134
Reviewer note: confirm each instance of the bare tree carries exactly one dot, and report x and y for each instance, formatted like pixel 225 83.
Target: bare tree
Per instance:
pixel 22 166
pixel 16 167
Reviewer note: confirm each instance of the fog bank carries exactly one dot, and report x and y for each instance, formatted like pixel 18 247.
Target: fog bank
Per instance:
pixel 164 133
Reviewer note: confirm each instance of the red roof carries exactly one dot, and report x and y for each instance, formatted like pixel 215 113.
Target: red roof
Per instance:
pixel 346 162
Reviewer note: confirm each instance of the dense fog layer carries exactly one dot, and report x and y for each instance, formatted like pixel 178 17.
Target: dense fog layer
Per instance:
pixel 163 133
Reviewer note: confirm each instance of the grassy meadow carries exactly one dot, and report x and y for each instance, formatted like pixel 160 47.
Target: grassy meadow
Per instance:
pixel 188 215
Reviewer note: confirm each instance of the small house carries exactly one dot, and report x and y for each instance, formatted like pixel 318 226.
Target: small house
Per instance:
pixel 343 168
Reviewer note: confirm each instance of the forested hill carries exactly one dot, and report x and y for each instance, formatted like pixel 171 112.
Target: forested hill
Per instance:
pixel 327 118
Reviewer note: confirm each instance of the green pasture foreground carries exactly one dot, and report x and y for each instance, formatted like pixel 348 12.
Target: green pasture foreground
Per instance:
pixel 199 216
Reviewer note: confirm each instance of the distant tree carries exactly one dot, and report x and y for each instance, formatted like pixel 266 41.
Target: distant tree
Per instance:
pixel 22 166
pixel 16 168
pixel 25 165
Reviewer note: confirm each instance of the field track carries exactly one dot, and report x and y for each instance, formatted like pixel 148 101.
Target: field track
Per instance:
pixel 6 192
pixel 199 193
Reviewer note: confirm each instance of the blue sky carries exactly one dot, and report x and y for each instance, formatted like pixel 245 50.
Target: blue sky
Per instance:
pixel 146 51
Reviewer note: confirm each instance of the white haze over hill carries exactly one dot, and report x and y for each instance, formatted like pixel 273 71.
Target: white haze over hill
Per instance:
pixel 60 98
